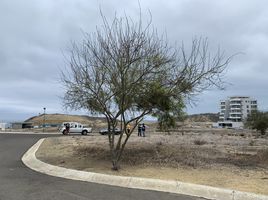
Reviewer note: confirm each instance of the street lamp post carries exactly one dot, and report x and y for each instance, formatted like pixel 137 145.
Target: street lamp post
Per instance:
pixel 44 119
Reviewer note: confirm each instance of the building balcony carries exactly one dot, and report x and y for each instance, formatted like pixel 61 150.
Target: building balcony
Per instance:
pixel 236 117
pixel 236 99
pixel 235 104
pixel 235 113
pixel 235 108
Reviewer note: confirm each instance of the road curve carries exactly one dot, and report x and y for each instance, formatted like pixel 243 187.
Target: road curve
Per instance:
pixel 17 182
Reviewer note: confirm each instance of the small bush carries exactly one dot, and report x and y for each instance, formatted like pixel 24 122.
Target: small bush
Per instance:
pixel 200 142
pixel 251 143
pixel 262 157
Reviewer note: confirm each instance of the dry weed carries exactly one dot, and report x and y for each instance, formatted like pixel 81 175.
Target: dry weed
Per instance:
pixel 200 142
pixel 197 150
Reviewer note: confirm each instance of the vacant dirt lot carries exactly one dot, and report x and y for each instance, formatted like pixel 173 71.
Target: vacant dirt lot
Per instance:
pixel 232 159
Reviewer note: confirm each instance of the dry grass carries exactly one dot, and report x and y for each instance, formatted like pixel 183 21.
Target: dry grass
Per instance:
pixel 175 156
pixel 210 157
pixel 197 150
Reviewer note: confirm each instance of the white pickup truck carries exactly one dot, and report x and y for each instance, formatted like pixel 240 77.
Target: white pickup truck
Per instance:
pixel 75 127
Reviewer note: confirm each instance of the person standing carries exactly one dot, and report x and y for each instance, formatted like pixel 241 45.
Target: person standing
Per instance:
pixel 67 128
pixel 139 130
pixel 128 128
pixel 143 130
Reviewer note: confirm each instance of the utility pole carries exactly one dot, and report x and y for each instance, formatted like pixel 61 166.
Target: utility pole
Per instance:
pixel 44 119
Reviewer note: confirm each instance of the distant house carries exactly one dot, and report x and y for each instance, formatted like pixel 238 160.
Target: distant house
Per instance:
pixel 20 125
pixel 4 126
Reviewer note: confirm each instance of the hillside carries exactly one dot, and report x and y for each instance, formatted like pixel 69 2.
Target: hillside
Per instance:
pixel 59 118
pixel 203 117
pixel 100 122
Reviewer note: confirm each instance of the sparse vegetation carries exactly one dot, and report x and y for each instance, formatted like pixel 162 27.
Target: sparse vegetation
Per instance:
pixel 171 156
pixel 203 117
pixel 259 121
pixel 166 155
pixel 192 150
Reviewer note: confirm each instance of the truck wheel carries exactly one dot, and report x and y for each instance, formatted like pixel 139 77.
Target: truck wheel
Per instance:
pixel 84 132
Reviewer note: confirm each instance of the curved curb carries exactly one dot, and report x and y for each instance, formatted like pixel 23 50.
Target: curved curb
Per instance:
pixel 30 160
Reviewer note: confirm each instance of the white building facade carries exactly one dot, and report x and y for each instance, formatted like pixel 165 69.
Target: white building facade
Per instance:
pixel 236 109
pixel 4 126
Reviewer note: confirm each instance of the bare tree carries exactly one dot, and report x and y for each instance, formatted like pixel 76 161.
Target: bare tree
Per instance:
pixel 125 70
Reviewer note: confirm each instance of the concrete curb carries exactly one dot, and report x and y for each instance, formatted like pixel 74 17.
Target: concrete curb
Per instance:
pixel 30 160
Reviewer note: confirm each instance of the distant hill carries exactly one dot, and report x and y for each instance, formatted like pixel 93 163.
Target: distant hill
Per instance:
pixel 59 118
pixel 203 117
pixel 100 122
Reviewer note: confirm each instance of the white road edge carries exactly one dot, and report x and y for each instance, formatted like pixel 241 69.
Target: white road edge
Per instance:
pixel 30 160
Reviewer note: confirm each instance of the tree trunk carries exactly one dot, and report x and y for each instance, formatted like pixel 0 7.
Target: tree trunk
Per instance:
pixel 116 166
pixel 115 160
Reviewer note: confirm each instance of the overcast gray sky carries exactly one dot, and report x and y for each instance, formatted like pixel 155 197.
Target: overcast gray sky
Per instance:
pixel 35 34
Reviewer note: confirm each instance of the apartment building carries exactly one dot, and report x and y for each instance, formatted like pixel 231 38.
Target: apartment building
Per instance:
pixel 237 108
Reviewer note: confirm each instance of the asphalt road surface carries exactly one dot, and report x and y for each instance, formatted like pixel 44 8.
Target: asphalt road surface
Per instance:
pixel 17 182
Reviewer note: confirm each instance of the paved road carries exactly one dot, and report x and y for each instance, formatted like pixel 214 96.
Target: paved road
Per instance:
pixel 17 182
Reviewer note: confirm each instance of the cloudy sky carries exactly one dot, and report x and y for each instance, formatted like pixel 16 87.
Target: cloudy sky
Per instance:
pixel 34 35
